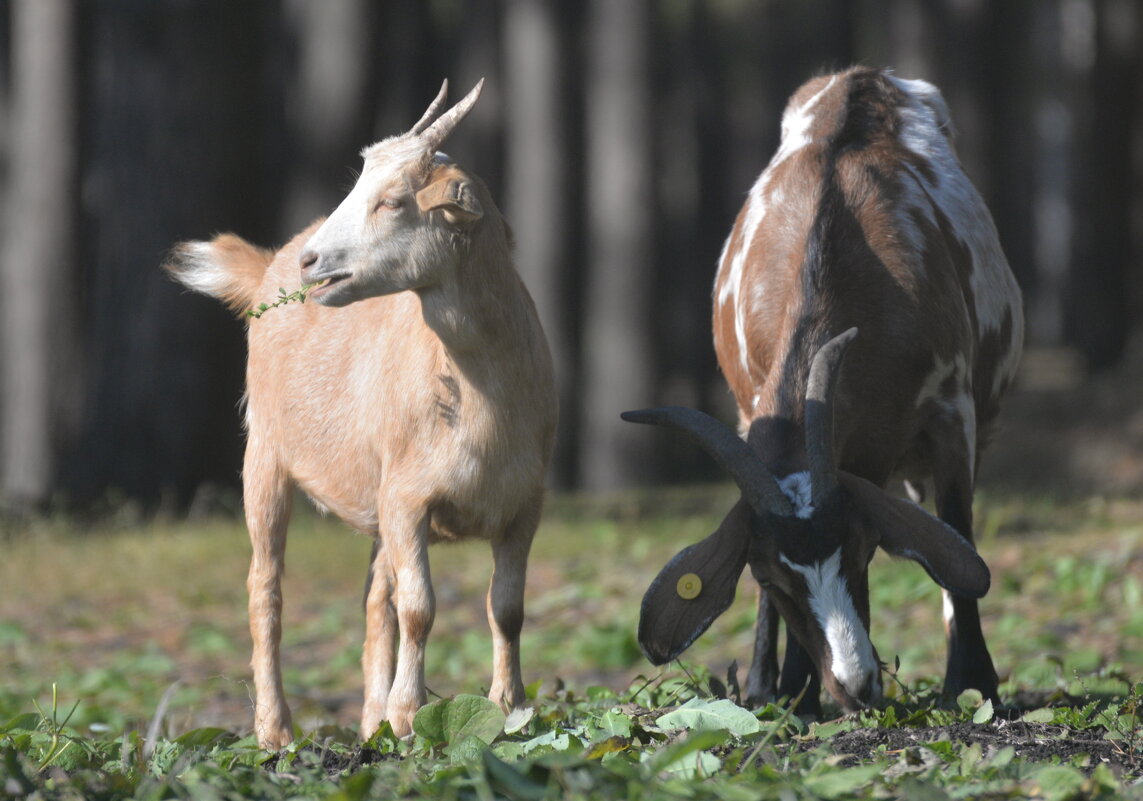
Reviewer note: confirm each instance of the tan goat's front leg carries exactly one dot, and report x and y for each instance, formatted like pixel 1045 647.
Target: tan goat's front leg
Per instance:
pixel 404 533
pixel 505 606
pixel 266 493
pixel 378 661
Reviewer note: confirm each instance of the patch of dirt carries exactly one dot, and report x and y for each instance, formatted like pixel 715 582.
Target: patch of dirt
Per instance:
pixel 1031 741
pixel 1084 748
pixel 336 762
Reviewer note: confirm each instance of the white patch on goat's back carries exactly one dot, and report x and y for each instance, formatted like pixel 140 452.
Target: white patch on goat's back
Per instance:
pixel 798 488
pixel 924 120
pixel 731 286
pixel 796 123
pixel 923 130
pixel 851 652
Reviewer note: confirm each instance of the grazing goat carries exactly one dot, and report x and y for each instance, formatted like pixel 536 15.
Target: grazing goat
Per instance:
pixel 421 409
pixel 862 222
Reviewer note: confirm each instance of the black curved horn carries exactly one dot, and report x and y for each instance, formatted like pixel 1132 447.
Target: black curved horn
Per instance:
pixel 819 414
pixel 733 455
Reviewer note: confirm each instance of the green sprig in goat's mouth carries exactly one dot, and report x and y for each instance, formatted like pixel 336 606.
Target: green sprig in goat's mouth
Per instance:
pixel 284 297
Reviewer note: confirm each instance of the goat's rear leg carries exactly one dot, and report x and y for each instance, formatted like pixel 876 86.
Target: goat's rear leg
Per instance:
pixel 267 499
pixel 969 663
pixel 505 606
pixel 378 660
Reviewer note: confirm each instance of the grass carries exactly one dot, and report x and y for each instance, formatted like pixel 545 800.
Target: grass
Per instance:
pixel 109 633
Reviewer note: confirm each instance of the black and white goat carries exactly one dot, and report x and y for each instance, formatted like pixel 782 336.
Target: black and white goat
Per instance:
pixel 867 322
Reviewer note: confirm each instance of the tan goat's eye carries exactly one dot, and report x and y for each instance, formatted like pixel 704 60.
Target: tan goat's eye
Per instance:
pixel 387 204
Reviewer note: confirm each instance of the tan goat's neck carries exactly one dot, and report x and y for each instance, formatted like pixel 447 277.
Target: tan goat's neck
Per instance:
pixel 482 314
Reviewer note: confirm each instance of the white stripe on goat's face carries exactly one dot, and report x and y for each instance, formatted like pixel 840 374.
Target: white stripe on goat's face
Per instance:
pixel 852 661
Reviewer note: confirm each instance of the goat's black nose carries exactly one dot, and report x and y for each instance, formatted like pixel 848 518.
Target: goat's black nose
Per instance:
pixel 308 259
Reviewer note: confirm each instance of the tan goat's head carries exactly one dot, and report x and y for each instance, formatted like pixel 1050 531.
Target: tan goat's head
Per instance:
pixel 808 538
pixel 393 230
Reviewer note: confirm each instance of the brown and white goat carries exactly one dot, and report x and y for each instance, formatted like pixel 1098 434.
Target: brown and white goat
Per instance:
pixel 415 400
pixel 867 323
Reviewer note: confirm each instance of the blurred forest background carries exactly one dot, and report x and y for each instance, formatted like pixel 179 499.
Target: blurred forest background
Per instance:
pixel 619 136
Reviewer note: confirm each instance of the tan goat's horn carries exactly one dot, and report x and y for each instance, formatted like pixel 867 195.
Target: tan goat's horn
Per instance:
pixel 733 455
pixel 431 111
pixel 436 133
pixel 819 414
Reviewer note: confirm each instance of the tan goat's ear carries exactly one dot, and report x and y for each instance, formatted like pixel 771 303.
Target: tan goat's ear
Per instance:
pixel 451 193
pixel 908 531
pixel 693 589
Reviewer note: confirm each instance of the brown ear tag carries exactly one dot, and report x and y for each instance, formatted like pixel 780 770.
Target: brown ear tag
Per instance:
pixel 692 590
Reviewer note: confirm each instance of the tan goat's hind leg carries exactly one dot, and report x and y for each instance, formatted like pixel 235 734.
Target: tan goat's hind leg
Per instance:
pixel 405 538
pixel 267 498
pixel 505 607
pixel 378 660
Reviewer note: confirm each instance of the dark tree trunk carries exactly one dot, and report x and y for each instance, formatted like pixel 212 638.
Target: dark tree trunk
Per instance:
pixel 405 70
pixel 618 350
pixel 1009 102
pixel 183 120
pixel 37 294
pixel 1096 310
pixel 329 105
pixel 477 55
pixel 537 198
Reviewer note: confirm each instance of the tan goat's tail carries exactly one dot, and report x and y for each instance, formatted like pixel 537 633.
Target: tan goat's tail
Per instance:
pixel 227 267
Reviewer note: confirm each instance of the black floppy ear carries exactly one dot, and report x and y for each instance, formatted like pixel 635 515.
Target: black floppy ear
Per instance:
pixel 907 530
pixel 451 192
pixel 694 588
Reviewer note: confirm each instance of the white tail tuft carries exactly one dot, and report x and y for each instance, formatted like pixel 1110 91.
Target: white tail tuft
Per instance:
pixel 228 268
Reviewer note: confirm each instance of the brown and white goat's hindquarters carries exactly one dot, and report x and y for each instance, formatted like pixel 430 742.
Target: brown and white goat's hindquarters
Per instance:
pixel 267 500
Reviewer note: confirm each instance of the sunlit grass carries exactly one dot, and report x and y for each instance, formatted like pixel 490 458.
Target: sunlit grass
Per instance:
pixel 116 617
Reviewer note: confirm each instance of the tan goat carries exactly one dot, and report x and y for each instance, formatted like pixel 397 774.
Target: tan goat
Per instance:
pixel 421 409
